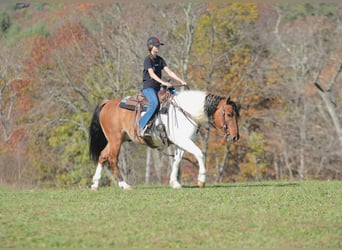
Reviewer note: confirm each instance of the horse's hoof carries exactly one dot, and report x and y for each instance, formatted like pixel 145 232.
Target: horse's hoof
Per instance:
pixel 175 184
pixel 201 184
pixel 124 185
pixel 94 188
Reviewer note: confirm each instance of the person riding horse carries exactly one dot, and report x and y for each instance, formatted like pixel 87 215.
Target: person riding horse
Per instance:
pixel 152 81
pixel 111 125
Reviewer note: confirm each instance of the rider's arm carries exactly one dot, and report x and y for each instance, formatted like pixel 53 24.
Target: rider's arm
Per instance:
pixel 156 78
pixel 173 75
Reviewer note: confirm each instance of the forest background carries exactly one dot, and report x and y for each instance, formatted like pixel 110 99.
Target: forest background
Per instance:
pixel 280 62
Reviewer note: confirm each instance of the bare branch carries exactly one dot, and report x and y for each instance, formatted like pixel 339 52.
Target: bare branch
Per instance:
pixel 276 32
pixel 334 78
pixel 319 87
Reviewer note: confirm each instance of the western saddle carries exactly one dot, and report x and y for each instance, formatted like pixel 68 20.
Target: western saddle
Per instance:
pixel 139 103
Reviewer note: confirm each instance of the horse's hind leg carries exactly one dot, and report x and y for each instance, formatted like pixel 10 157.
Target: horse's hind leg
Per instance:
pixel 97 177
pixel 175 167
pixel 109 154
pixel 102 159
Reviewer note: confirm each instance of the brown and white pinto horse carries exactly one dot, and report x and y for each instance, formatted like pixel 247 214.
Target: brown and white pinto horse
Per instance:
pixel 112 125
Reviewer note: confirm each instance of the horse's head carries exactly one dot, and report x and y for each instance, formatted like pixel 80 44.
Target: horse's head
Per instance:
pixel 226 118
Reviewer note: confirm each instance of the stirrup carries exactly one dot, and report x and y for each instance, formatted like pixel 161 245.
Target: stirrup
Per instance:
pixel 144 132
pixel 162 133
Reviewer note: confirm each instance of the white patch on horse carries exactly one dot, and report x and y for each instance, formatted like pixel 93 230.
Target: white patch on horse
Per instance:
pixel 97 177
pixel 193 102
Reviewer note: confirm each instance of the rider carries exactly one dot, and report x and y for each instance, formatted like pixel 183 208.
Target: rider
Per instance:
pixel 152 74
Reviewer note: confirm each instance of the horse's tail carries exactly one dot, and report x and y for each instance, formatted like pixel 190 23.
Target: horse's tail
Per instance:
pixel 97 139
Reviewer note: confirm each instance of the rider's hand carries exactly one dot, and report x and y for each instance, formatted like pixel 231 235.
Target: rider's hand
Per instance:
pixel 184 83
pixel 168 85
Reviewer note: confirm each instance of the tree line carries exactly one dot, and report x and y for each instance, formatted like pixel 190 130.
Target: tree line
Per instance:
pixel 281 63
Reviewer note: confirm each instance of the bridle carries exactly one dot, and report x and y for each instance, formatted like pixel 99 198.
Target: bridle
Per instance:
pixel 224 124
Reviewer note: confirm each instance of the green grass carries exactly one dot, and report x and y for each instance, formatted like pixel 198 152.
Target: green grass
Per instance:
pixel 267 214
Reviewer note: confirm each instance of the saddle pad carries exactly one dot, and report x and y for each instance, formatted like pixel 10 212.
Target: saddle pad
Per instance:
pixel 127 103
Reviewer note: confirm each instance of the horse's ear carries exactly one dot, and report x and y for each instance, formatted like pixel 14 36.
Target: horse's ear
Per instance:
pixel 228 99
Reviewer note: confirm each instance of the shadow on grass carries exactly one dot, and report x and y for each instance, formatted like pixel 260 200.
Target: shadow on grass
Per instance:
pixel 225 185
pixel 246 185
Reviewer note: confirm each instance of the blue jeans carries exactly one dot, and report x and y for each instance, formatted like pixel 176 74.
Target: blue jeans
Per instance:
pixel 152 96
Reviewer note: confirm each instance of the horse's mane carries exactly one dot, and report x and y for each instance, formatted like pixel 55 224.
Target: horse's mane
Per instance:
pixel 211 103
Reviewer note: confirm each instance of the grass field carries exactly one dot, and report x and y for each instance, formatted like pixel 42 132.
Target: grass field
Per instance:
pixel 266 214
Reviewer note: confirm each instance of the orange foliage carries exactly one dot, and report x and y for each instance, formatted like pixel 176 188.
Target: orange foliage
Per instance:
pixel 23 103
pixel 17 136
pixel 70 33
pixel 42 47
pixel 84 7
pixel 15 144
pixel 19 84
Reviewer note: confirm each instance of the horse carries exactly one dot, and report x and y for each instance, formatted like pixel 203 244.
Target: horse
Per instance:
pixel 112 125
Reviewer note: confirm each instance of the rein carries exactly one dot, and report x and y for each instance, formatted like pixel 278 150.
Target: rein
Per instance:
pixel 224 124
pixel 187 114
pixel 185 86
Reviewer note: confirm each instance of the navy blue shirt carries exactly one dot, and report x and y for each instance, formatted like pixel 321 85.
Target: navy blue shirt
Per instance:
pixel 157 65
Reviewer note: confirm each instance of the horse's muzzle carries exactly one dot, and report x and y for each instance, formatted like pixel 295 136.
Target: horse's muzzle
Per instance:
pixel 236 138
pixel 232 139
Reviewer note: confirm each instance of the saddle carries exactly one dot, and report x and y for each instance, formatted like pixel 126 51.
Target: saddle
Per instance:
pixel 139 103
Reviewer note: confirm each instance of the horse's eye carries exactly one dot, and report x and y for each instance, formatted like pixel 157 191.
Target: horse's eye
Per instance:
pixel 230 114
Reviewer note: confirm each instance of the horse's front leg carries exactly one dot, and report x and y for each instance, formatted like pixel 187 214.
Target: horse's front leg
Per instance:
pixel 192 148
pixel 201 169
pixel 174 183
pixel 116 171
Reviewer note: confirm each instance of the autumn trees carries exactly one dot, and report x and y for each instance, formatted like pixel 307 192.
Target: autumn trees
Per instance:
pixel 310 57
pixel 281 63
